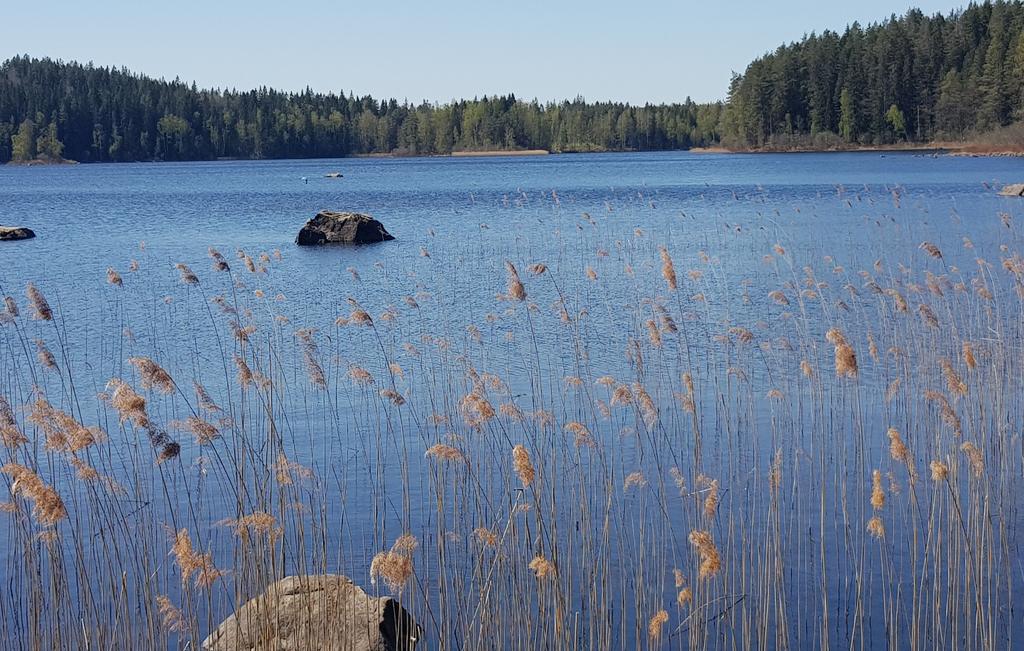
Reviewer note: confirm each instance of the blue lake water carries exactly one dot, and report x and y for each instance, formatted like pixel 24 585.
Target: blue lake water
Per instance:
pixel 597 222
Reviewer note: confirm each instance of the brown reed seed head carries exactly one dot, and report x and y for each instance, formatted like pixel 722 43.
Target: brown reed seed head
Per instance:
pixel 968 355
pixel 171 618
pixel 975 457
pixel 130 406
pixel 443 452
pixel 40 308
pixel 668 270
pixel 711 500
pixel 393 568
pixel 656 624
pixel 152 375
pixel 876 528
pixel 515 289
pixel 47 506
pixel 523 465
pixel 542 567
pixel 954 383
pixel 940 470
pixel 486 537
pixel 187 275
pixel 685 597
pixel 11 307
pixel 634 479
pixel 845 358
pixel 877 494
pixel 710 561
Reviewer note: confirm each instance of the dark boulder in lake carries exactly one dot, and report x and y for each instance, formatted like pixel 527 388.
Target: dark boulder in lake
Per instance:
pixel 11 233
pixel 1015 190
pixel 317 612
pixel 344 227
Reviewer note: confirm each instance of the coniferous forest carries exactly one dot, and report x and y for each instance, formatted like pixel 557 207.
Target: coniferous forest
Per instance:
pixel 914 79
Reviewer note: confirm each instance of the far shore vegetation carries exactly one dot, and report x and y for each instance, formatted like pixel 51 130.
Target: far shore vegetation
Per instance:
pixel 951 81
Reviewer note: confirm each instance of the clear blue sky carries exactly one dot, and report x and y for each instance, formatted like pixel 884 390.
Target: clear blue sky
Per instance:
pixel 636 51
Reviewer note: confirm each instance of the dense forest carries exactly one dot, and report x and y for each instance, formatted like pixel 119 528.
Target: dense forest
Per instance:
pixel 910 78
pixel 913 78
pixel 51 109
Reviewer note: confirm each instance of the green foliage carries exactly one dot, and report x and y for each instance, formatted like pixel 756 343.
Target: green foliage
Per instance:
pixel 104 114
pixel 48 145
pixel 894 118
pixel 949 74
pixel 23 144
pixel 847 118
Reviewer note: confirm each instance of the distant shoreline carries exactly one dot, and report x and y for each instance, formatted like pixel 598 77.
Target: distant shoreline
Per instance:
pixel 971 150
pixel 965 150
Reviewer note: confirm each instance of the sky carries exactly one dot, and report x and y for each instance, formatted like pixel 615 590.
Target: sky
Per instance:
pixel 629 50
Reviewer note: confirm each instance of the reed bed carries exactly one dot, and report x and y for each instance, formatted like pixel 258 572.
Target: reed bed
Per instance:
pixel 699 435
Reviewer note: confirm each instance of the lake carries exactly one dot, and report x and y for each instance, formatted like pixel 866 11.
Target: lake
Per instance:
pixel 698 443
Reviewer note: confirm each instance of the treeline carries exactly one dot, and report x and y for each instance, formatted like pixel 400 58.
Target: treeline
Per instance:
pixel 52 109
pixel 915 78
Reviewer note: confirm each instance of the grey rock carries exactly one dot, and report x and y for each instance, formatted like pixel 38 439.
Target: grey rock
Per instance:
pixel 10 233
pixel 1015 190
pixel 348 227
pixel 326 612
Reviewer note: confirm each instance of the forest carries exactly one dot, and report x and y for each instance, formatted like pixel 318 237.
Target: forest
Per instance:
pixel 912 78
pixel 50 109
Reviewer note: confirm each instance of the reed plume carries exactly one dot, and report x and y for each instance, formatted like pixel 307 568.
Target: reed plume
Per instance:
pixel 845 358
pixel 190 562
pixel 187 275
pixel 876 528
pixel 542 567
pixel 444 452
pixel 394 566
pixel 523 465
pixel 877 494
pixel 47 506
pixel 710 561
pixel 668 270
pixel 40 308
pixel 152 375
pixel 516 291
pixel 655 625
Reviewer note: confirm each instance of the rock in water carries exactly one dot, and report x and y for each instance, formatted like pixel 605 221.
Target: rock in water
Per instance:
pixel 326 612
pixel 1015 190
pixel 350 227
pixel 11 233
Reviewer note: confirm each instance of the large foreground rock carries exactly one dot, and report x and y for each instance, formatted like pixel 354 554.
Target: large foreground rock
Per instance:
pixel 347 227
pixel 326 612
pixel 1015 190
pixel 8 233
